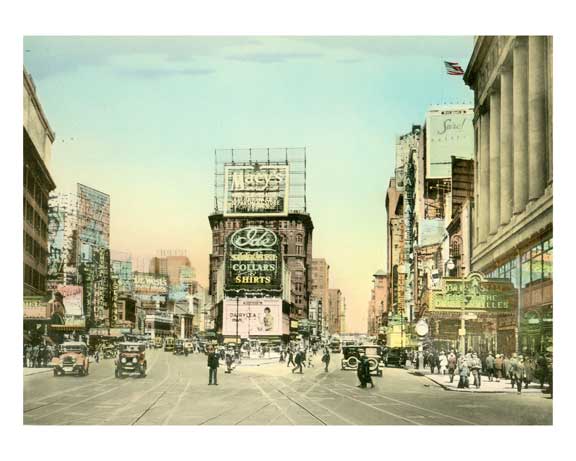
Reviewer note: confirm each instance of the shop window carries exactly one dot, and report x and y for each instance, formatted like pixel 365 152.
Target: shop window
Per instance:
pixel 547 264
pixel 525 271
pixel 536 263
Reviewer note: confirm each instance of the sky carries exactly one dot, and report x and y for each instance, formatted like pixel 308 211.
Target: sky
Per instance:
pixel 140 117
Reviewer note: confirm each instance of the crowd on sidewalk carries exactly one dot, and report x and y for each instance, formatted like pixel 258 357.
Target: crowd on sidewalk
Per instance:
pixel 38 356
pixel 521 370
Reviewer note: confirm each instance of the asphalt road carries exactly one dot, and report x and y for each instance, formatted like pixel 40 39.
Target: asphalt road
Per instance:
pixel 176 392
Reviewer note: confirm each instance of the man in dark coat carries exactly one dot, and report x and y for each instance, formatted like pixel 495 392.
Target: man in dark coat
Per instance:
pixel 489 362
pixel 452 365
pixel 290 357
pixel 213 364
pixel 367 376
pixel 360 373
pixel 298 359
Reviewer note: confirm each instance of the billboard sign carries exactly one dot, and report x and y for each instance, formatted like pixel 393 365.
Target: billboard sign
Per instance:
pixel 256 190
pixel 72 299
pixel 253 260
pixel 252 317
pixel 449 132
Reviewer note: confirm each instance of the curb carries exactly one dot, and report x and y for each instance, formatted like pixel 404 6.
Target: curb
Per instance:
pixel 36 372
pixel 473 391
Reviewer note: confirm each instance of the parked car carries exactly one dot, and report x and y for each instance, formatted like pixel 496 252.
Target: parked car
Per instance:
pixel 131 360
pixel 109 351
pixel 351 358
pixel 158 343
pixel 73 359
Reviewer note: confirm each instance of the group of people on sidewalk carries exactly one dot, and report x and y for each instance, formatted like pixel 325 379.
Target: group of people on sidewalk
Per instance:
pixel 38 356
pixel 520 370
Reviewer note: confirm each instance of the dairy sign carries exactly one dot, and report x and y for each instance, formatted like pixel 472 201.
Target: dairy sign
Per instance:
pixel 250 317
pixel 253 260
pixel 256 190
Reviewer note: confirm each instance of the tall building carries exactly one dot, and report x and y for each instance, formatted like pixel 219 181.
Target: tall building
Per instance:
pixel 378 304
pixel 334 312
pixel 62 239
pixel 320 286
pixel 38 182
pixel 261 260
pixel 395 251
pixel 512 221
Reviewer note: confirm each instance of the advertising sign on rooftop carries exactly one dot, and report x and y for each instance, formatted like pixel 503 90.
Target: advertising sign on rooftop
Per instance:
pixel 253 261
pixel 449 132
pixel 256 190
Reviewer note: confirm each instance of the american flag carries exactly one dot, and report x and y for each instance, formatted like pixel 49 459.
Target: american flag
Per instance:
pixel 453 68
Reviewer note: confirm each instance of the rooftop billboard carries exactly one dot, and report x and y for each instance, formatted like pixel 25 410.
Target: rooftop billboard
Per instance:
pixel 256 190
pixel 449 132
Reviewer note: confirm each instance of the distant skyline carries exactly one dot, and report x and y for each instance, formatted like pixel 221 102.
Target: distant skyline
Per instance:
pixel 139 118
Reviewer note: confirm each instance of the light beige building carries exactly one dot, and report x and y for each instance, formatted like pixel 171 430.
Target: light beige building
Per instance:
pixel 512 233
pixel 38 182
pixel 335 309
pixel 378 304
pixel 320 286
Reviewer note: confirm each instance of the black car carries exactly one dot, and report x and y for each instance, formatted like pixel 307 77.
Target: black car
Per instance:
pixel 351 357
pixel 394 357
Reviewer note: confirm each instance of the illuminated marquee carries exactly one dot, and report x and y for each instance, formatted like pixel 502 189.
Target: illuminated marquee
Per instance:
pixel 256 190
pixel 253 261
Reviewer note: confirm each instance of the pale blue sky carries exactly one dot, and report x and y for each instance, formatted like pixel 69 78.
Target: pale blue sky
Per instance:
pixel 139 118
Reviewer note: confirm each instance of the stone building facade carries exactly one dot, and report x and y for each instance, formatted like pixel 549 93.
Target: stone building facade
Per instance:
pixel 38 182
pixel 512 233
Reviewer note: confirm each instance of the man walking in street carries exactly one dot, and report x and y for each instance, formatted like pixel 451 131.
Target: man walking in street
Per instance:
pixel 290 357
pixel 452 365
pixel 326 359
pixel 360 374
pixel 213 364
pixel 464 372
pixel 490 361
pixel 518 372
pixel 512 364
pixel 506 365
pixel 367 376
pixel 298 361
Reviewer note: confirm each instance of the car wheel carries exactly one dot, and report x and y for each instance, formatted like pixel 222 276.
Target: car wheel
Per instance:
pixel 352 362
pixel 373 363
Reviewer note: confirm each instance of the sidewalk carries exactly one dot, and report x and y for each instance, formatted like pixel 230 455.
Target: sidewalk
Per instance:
pixel 257 361
pixel 494 387
pixel 35 371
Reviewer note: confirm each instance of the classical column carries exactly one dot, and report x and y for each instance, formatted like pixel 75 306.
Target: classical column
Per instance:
pixel 494 148
pixel 536 116
pixel 506 146
pixel 520 116
pixel 484 170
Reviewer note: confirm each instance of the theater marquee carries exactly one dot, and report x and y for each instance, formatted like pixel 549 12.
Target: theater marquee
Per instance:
pixel 256 190
pixel 253 261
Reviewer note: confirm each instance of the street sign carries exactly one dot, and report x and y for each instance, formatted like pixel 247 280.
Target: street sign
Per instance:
pixel 470 316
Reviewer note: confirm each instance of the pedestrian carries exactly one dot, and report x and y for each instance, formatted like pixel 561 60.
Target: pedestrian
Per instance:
pixel 476 367
pixel 367 376
pixel 452 364
pixel 213 364
pixel 310 364
pixel 490 362
pixel 298 359
pixel 506 366
pixel 303 352
pixel 282 355
pixel 29 356
pixel 518 372
pixel 360 373
pixel 443 362
pixel 498 364
pixel 464 372
pixel 541 369
pixel 229 361
pixel 529 371
pixel 290 357
pixel 433 361
pixel 326 358
pixel 513 361
pixel 34 356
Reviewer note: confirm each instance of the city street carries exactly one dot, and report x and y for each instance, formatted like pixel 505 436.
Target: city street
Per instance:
pixel 175 392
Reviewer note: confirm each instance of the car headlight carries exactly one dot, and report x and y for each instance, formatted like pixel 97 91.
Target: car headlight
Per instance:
pixel 123 359
pixel 134 360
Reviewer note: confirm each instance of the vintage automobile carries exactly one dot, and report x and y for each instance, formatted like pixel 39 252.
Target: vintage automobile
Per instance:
pixel 131 360
pixel 178 347
pixel 188 347
pixel 351 358
pixel 168 344
pixel 158 343
pixel 394 356
pixel 73 359
pixel 109 351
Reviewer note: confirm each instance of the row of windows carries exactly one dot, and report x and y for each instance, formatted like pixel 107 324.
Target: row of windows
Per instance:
pixel 536 265
pixel 34 219
pixel 34 278
pixel 33 187
pixel 34 249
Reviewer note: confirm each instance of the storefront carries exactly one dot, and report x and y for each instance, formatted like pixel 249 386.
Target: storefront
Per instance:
pixel 531 274
pixel 471 313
